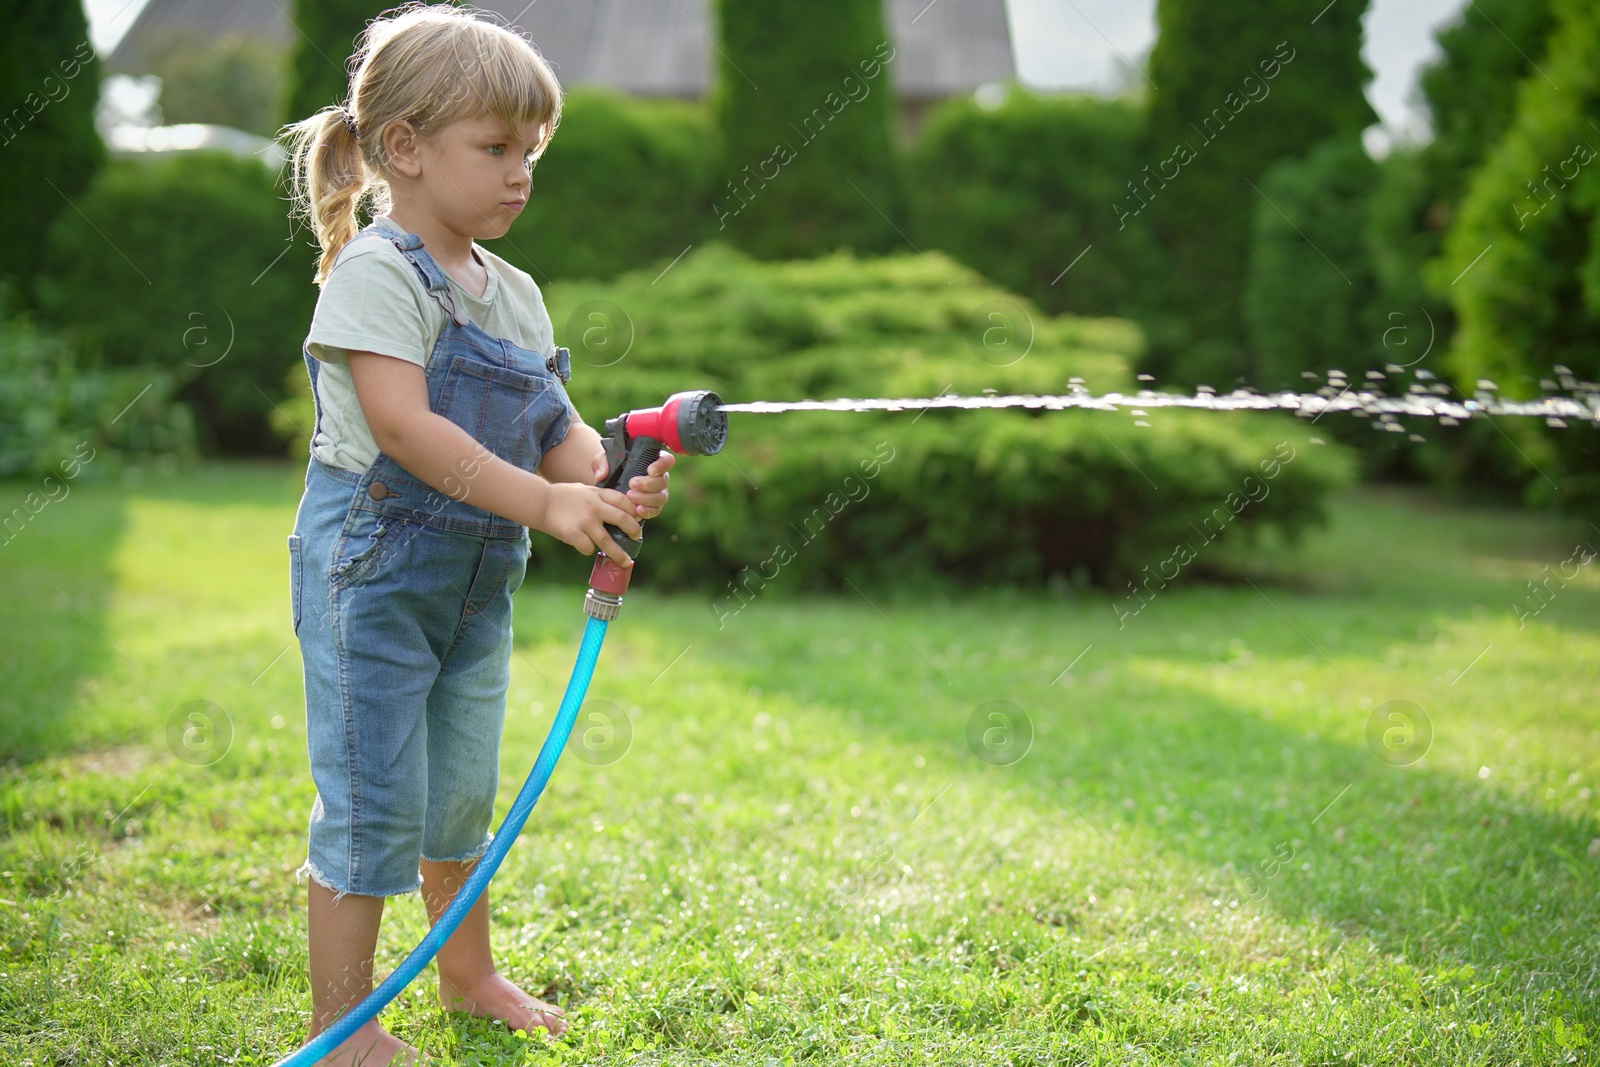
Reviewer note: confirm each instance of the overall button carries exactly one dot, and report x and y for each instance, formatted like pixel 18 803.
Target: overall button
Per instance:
pixel 379 491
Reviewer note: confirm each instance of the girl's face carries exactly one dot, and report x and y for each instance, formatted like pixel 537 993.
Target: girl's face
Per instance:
pixel 473 175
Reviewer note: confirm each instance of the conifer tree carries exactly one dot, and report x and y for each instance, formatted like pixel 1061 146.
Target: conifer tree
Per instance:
pixel 805 104
pixel 1521 263
pixel 1239 85
pixel 50 83
pixel 329 31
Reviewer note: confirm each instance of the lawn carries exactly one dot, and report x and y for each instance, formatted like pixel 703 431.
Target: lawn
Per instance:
pixel 1199 835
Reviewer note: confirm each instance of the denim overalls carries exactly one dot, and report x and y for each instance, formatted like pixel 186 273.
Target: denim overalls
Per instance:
pixel 401 601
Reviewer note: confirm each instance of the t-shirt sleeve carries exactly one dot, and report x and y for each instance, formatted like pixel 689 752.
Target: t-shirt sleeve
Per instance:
pixel 372 301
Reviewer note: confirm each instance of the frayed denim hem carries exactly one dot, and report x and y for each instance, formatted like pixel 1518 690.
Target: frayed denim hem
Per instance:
pixel 309 869
pixel 468 857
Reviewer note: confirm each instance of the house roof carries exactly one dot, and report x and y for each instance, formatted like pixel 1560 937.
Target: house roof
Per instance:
pixel 644 47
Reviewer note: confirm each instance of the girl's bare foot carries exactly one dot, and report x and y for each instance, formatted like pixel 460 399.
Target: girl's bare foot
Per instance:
pixel 495 997
pixel 372 1046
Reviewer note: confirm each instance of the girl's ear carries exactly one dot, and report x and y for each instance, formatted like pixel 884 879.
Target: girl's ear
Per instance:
pixel 402 148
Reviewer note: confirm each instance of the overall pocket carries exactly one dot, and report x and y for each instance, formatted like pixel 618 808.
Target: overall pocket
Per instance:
pixel 507 411
pixel 363 547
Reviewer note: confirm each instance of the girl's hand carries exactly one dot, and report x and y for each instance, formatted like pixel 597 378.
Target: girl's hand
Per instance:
pixel 577 514
pixel 648 493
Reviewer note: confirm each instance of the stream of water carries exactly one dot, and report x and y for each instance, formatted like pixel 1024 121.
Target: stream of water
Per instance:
pixel 1427 398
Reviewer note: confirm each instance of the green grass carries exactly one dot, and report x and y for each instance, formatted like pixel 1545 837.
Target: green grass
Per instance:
pixel 799 858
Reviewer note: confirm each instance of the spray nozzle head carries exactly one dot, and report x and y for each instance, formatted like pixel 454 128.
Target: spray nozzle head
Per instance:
pixel 692 423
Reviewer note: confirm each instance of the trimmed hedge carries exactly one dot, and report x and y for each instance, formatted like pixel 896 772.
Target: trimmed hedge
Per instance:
pixel 172 263
pixel 1005 496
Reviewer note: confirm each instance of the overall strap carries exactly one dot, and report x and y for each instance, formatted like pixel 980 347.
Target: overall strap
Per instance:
pixel 433 278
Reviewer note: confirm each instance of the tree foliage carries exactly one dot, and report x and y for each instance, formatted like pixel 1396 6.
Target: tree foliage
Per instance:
pixel 805 104
pixel 1522 262
pixel 1471 94
pixel 326 38
pixel 1471 91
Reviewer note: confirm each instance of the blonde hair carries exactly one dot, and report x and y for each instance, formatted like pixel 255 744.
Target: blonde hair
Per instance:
pixel 431 65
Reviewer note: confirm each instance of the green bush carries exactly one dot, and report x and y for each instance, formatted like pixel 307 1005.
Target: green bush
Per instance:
pixel 1017 191
pixel 57 417
pixel 1406 219
pixel 182 263
pixel 976 495
pixel 623 183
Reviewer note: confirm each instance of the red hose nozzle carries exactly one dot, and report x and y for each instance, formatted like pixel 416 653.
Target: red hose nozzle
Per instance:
pixel 692 423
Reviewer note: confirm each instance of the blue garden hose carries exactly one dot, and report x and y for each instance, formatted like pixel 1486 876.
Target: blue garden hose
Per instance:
pixel 351 1021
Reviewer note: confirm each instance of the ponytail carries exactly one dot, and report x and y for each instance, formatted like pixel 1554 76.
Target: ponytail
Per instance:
pixel 328 178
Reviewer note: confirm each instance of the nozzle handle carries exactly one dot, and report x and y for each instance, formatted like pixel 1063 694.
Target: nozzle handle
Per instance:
pixel 642 451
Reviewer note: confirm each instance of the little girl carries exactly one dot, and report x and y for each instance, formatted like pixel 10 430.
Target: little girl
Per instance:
pixel 443 433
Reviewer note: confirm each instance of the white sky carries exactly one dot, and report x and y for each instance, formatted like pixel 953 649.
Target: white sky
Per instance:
pixel 1075 44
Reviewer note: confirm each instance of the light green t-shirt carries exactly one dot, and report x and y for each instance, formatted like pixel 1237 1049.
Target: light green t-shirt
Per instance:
pixel 374 300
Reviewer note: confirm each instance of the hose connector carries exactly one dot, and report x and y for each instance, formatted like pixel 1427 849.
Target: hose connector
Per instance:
pixel 602 606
